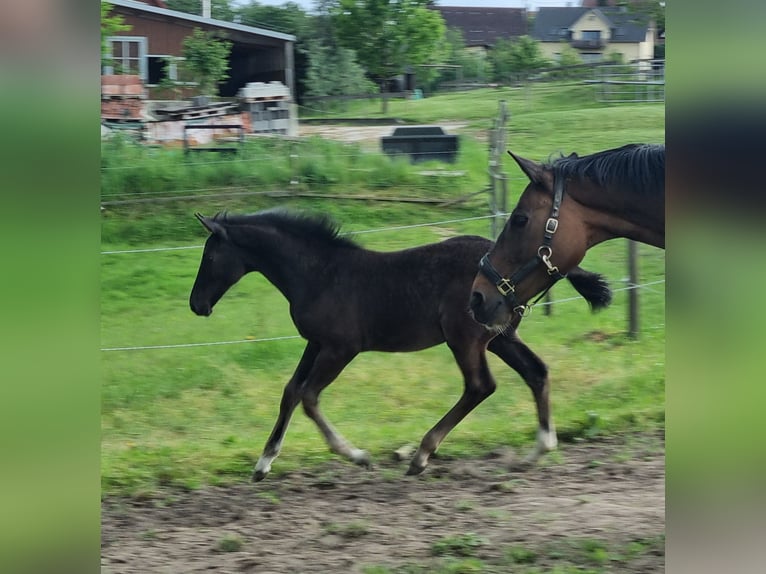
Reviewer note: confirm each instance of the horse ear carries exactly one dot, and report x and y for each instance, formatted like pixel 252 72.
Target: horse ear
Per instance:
pixel 212 226
pixel 534 171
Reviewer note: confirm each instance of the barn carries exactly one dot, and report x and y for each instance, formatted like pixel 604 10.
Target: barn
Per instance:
pixel 156 36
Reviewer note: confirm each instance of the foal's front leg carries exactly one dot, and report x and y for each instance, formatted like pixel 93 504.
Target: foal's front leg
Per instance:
pixel 319 367
pixel 291 396
pixel 328 366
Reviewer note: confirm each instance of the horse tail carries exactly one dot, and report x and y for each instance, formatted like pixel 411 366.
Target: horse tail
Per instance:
pixel 592 286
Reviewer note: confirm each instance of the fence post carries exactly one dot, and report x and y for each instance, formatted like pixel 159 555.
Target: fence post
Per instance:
pixel 498 194
pixel 633 327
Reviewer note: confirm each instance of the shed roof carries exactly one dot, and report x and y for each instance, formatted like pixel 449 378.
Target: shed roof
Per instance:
pixel 151 9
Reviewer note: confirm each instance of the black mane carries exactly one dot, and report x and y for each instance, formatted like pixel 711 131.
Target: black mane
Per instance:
pixel 313 228
pixel 637 168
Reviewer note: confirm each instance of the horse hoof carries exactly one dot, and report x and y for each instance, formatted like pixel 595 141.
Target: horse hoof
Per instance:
pixel 259 475
pixel 415 469
pixel 362 458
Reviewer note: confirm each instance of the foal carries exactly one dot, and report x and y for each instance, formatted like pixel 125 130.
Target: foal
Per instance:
pixel 345 300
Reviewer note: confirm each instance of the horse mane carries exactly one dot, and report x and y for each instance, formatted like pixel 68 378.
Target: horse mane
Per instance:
pixel 637 168
pixel 311 227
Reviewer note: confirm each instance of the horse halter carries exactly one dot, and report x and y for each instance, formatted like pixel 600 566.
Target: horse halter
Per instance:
pixel 507 287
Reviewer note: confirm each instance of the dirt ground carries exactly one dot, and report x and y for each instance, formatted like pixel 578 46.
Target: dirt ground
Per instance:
pixel 342 518
pixel 369 136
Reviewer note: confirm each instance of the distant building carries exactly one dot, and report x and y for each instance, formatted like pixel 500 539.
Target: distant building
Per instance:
pixel 594 33
pixel 156 34
pixel 483 27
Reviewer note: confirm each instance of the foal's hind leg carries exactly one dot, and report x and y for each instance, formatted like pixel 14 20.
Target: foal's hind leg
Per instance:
pixel 478 385
pixel 291 396
pixel 520 358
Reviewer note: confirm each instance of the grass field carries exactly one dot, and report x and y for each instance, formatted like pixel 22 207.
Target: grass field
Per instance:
pixel 189 416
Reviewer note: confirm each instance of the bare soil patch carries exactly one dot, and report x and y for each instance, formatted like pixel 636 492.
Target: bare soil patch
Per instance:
pixel 369 136
pixel 341 518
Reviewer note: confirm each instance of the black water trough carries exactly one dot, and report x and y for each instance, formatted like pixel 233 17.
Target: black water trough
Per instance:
pixel 421 143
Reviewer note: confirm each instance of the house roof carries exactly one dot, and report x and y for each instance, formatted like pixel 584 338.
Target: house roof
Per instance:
pixel 151 9
pixel 485 26
pixel 551 24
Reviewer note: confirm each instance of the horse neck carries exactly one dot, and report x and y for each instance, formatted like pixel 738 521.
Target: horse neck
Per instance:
pixel 286 261
pixel 611 213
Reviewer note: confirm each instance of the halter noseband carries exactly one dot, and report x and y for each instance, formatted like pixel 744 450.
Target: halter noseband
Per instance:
pixel 507 287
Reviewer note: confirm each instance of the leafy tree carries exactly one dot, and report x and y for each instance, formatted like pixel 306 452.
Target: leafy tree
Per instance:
pixel 615 58
pixel 335 71
pixel 389 35
pixel 516 58
pixel 110 25
pixel 654 9
pixel 207 59
pixel 525 55
pixel 219 9
pixel 500 57
pixel 289 18
pixel 570 57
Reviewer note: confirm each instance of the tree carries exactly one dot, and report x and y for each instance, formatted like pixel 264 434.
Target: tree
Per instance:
pixel 389 35
pixel 516 58
pixel 500 57
pixel 207 60
pixel 334 71
pixel 110 25
pixel 219 9
pixel 289 18
pixel 525 55
pixel 654 9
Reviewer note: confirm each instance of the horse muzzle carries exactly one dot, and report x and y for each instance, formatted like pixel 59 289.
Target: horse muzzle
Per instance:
pixel 488 311
pixel 201 310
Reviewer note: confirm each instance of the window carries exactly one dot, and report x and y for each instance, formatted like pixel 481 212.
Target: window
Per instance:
pixel 591 35
pixel 591 57
pixel 128 56
pixel 161 68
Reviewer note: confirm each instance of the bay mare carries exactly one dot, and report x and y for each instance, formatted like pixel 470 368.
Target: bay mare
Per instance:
pixel 569 205
pixel 345 300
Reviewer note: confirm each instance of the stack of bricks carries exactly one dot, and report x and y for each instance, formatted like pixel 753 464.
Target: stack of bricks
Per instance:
pixel 122 97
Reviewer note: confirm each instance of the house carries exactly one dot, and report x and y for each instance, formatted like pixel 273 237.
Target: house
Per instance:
pixel 157 34
pixel 594 33
pixel 483 27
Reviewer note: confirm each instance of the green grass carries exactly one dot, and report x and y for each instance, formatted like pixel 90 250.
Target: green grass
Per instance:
pixel 469 553
pixel 186 417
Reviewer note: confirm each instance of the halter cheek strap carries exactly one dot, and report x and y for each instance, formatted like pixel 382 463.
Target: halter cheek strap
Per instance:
pixel 507 287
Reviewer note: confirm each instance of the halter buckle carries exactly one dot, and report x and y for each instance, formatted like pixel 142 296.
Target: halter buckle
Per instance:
pixel 523 310
pixel 551 226
pixel 505 287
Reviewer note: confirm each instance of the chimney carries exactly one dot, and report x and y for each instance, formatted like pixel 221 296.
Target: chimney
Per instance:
pixel 206 8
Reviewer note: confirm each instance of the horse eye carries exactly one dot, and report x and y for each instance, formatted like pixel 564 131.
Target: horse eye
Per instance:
pixel 519 220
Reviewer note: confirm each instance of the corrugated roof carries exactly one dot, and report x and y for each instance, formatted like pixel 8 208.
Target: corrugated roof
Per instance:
pixel 485 26
pixel 552 24
pixel 143 7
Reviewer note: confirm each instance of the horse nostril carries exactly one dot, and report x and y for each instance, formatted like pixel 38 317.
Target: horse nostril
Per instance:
pixel 477 300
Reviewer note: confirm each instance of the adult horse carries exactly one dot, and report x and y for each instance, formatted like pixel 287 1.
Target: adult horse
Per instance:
pixel 345 300
pixel 569 206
